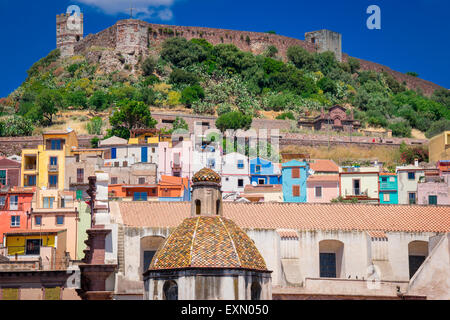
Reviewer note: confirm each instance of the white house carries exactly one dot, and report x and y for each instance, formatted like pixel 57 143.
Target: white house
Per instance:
pixel 235 174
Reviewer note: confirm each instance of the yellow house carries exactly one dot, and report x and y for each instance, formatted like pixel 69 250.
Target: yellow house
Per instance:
pixel 44 167
pixel 439 147
pixel 144 136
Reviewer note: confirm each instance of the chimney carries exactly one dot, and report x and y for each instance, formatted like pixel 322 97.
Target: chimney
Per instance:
pixel 416 162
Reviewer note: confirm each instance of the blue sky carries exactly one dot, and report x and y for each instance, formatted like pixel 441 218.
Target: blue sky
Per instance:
pixel 415 34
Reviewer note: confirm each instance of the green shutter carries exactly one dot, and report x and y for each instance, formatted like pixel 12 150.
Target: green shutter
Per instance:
pixel 79 194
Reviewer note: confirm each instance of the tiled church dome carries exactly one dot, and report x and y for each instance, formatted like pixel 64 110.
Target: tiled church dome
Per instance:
pixel 208 242
pixel 206 175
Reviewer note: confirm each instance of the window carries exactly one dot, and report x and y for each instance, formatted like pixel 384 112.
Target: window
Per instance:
pixel 15 221
pixel 240 164
pixel 432 200
pixel 48 202
pixel 384 179
pixel 148 257
pixel 113 153
pixel 80 175
pixel 53 181
pixel 77 158
pixel 53 161
pixel 296 191
pixel 141 180
pixel 55 145
pixel 386 197
pixel 261 181
pixel 59 220
pixel 240 183
pixel 2 201
pixel 30 181
pixel 328 265
pixel 14 203
pixel 255 291
pixel 63 203
pixel 170 290
pixel 356 187
pixel 295 173
pixel 392 179
pixel 198 207
pixel 318 192
pixel 114 180
pixel 412 197
pixel 140 196
pixel 3 177
pixel 258 169
pixel 38 220
pixel 217 207
pixel 33 246
pixel 411 176
pixel 79 194
pixel 211 163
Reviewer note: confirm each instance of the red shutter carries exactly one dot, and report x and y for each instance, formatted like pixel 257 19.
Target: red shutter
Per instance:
pixel 296 191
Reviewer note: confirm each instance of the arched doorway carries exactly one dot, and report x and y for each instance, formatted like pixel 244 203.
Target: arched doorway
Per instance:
pixel 331 256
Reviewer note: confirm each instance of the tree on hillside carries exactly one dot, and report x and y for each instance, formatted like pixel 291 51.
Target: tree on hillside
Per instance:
pixel 47 103
pixel 130 115
pixel 234 120
pixel 180 124
pixel 182 53
pixel 148 67
pixel 300 57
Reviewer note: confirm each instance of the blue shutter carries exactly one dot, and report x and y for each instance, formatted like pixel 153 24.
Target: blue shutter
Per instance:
pixel 113 153
pixel 144 154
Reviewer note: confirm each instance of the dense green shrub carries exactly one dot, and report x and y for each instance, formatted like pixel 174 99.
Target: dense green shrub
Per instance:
pixel 234 120
pixel 286 116
pixel 437 128
pixel 192 94
pixel 149 66
pixel 300 57
pixel 99 101
pixel 180 76
pixel 182 53
pixel 16 126
pixel 400 129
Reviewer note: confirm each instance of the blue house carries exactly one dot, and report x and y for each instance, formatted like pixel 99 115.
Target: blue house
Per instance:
pixel 388 188
pixel 264 172
pixel 295 174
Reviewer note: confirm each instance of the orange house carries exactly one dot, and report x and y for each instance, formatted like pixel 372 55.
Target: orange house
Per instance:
pixel 174 189
pixel 126 192
pixel 15 207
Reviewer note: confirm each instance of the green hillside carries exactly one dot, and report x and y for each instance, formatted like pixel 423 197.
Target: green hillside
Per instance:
pixel 218 79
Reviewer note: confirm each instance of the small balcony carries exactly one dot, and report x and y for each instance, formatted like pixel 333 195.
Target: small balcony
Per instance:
pixel 53 168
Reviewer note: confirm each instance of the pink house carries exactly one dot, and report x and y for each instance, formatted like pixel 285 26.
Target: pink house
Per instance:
pixel 322 188
pixel 434 190
pixel 175 159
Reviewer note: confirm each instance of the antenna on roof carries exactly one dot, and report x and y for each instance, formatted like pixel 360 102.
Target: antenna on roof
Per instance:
pixel 131 10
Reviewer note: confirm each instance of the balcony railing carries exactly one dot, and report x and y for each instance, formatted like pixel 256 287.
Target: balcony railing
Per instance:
pixel 30 167
pixel 53 168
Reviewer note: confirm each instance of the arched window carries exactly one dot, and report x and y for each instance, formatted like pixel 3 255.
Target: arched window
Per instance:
pixel 218 207
pixel 256 291
pixel 417 252
pixel 170 290
pixel 198 207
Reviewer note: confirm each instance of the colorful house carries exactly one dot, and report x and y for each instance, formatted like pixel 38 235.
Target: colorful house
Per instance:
pixel 264 172
pixel 322 188
pixel 360 183
pixel 57 210
pixel 235 174
pixel 122 153
pixel 433 189
pixel 175 158
pixel 9 172
pixel 15 207
pixel 439 147
pixel 140 192
pixel 388 188
pixel 408 177
pixel 174 189
pixel 44 167
pixel 294 176
pixel 262 193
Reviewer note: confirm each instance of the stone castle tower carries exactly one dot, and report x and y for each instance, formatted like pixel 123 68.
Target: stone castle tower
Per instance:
pixel 69 31
pixel 326 40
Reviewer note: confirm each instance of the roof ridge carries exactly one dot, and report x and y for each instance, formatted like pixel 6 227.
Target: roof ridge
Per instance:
pixel 194 235
pixel 232 241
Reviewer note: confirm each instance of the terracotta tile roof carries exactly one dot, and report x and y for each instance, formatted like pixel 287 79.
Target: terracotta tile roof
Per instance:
pixel 288 234
pixel 208 242
pixel 387 174
pixel 377 234
pixel 308 216
pixel 25 232
pixel 324 166
pixel 325 178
